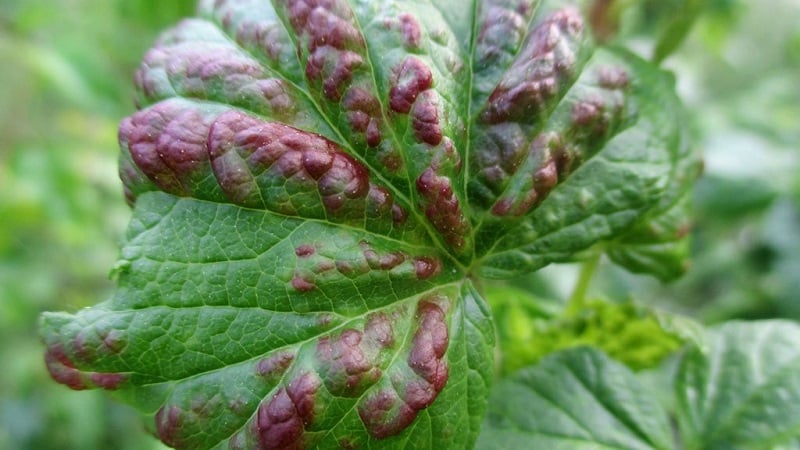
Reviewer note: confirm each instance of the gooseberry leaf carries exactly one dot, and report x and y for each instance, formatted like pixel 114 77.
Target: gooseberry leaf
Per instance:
pixel 575 399
pixel 316 186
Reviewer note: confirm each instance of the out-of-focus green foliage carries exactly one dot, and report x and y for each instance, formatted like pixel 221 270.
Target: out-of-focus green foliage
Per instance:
pixel 738 73
pixel 529 329
pixel 65 83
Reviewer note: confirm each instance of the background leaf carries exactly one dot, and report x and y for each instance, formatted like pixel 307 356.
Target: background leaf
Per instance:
pixel 743 392
pixel 574 399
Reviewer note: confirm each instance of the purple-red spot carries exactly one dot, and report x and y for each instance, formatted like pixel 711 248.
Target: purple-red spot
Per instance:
pixel 317 162
pixel 304 251
pixel 83 351
pixel 385 414
pixel 379 330
pixel 167 144
pixel 113 341
pixel 169 423
pixel 302 284
pixel 62 369
pixel 535 77
pixel 109 381
pixel 363 113
pixel 411 31
pixel 442 207
pixel 373 133
pixel 426 267
pixel 281 422
pixel 408 80
pixel 419 394
pixel 585 113
pixel 399 215
pixel 379 201
pixel 325 266
pixel 382 261
pixel 336 66
pixel 348 364
pixel 345 268
pixel 425 118
pixel 246 152
pixel 502 207
pixel 430 342
pixel 540 179
pixel 331 37
pixel 274 366
pixel 613 77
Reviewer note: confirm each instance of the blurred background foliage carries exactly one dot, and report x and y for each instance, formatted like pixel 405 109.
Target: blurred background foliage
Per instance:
pixel 65 83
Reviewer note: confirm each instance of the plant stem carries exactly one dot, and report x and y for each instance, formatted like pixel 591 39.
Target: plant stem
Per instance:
pixel 578 297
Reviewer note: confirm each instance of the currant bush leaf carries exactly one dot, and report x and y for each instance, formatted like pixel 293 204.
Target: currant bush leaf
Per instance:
pixel 743 391
pixel 574 399
pixel 317 184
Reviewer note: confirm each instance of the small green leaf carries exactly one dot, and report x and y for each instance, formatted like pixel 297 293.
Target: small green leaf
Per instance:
pixel 678 27
pixel 632 334
pixel 574 399
pixel 744 391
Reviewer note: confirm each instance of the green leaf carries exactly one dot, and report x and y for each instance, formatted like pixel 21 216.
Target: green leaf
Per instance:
pixel 613 189
pixel 671 37
pixel 744 392
pixel 574 399
pixel 216 334
pixel 659 243
pixel 317 183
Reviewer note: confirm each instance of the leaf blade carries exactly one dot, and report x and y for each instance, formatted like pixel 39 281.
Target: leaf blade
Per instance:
pixel 743 392
pixel 581 399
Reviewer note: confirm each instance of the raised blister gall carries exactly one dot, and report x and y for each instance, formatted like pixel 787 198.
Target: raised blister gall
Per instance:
pixel 281 421
pixel 169 422
pixel 429 346
pixel 302 284
pixel 408 80
pixel 545 64
pixel 273 367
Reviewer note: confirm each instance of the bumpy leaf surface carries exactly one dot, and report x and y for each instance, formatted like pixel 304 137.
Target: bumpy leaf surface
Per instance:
pixel 316 183
pixel 574 399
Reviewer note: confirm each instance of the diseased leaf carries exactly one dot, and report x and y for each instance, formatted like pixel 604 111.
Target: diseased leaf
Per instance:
pixel 611 148
pixel 215 332
pixel 744 392
pixel 574 399
pixel 316 185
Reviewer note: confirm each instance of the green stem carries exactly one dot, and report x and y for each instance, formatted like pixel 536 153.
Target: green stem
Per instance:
pixel 578 297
